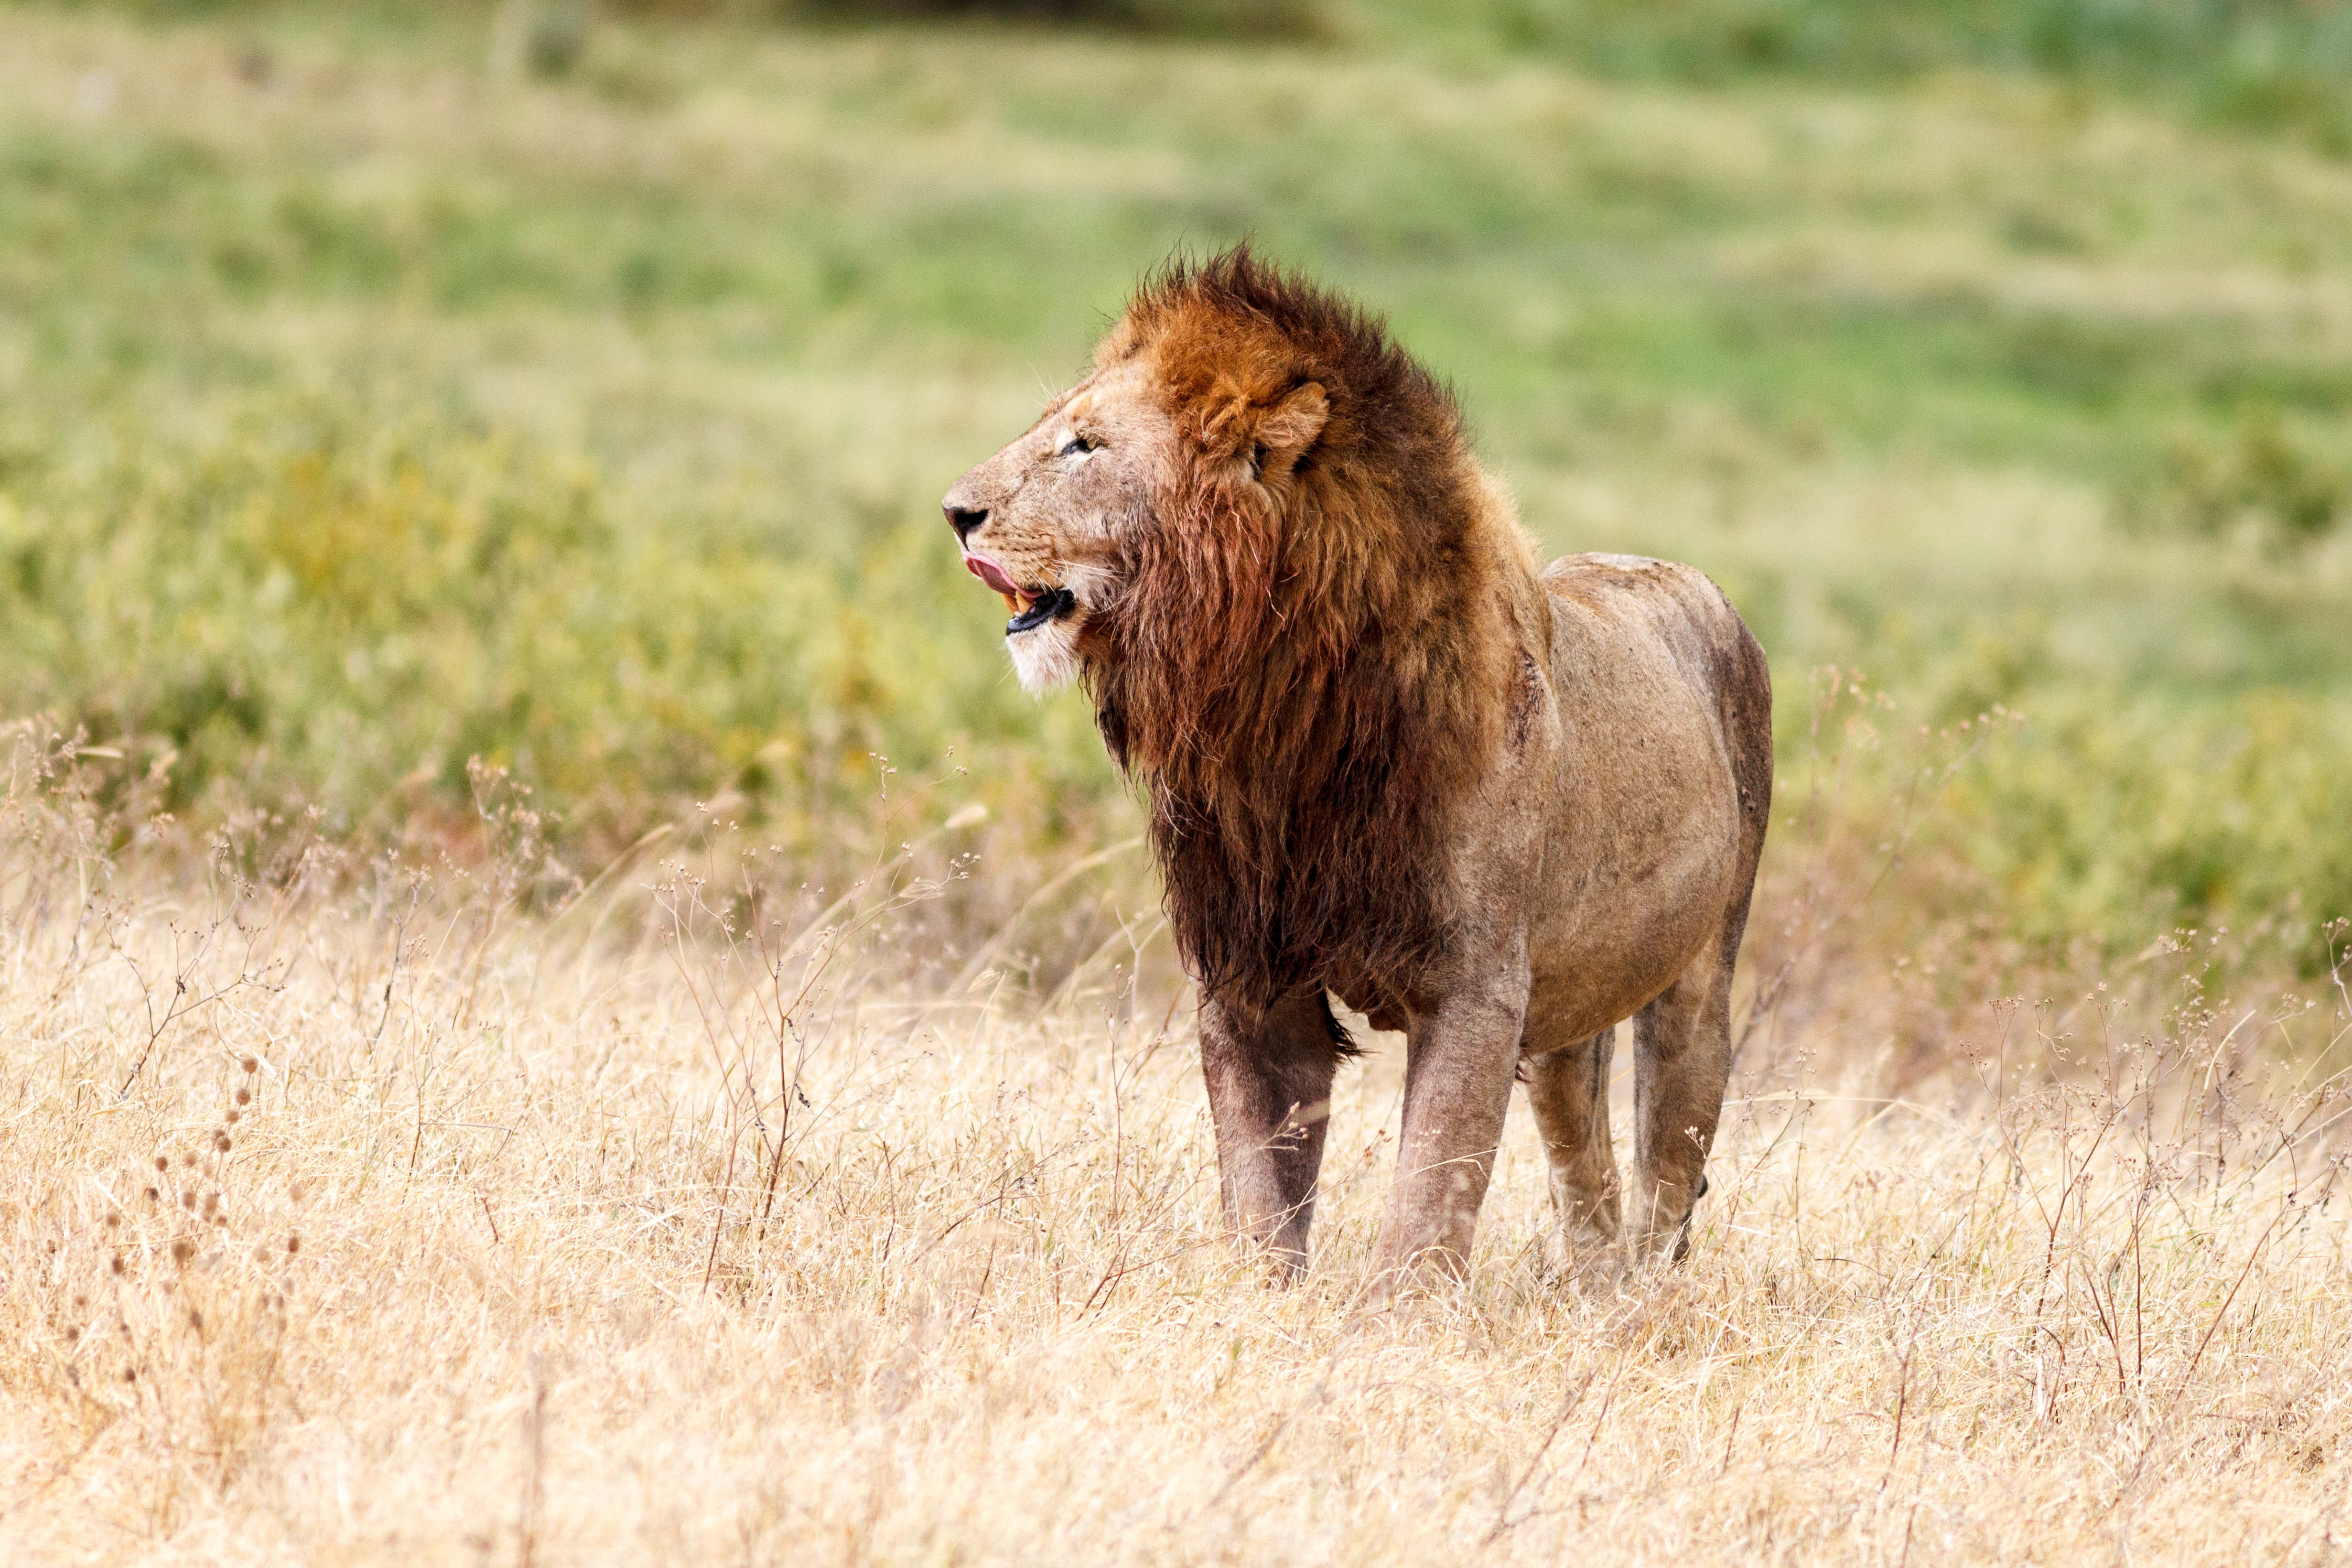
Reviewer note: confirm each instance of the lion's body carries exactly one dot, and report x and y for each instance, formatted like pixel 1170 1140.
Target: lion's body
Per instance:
pixel 1662 729
pixel 1387 759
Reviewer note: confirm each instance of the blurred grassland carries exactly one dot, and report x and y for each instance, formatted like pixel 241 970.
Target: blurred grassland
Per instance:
pixel 371 400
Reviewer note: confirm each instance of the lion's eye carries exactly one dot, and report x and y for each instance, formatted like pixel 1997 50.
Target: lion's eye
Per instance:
pixel 1077 444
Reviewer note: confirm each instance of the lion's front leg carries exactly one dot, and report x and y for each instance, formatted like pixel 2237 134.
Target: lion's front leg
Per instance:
pixel 1459 1063
pixel 1270 1097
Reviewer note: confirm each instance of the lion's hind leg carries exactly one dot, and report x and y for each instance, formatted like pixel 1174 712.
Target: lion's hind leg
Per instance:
pixel 1569 1092
pixel 1681 1062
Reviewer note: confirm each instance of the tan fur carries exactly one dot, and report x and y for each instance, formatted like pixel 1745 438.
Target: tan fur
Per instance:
pixel 1386 759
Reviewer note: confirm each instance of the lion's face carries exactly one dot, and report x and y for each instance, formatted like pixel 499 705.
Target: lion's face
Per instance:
pixel 1043 522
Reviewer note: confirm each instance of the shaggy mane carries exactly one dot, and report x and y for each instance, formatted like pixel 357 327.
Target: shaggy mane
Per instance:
pixel 1312 651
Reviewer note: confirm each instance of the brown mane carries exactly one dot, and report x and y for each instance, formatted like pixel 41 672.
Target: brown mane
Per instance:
pixel 1303 668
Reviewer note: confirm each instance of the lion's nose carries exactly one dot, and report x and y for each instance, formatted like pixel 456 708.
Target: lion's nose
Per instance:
pixel 963 520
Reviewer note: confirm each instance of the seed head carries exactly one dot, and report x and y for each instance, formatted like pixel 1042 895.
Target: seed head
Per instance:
pixel 293 1245
pixel 117 1263
pixel 220 1141
pixel 232 1117
pixel 163 1161
pixel 250 1065
pixel 182 1249
pixel 245 1096
pixel 152 1195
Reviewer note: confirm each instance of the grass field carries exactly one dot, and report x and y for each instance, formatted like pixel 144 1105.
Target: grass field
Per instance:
pixel 365 408
pixel 369 1225
pixel 478 644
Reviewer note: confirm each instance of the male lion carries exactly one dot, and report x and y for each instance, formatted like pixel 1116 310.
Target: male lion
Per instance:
pixel 1387 760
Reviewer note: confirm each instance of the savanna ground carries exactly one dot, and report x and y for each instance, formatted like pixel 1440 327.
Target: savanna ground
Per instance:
pixel 498 1064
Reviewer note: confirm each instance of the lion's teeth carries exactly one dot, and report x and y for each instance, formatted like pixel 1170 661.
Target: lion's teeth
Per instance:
pixel 1010 602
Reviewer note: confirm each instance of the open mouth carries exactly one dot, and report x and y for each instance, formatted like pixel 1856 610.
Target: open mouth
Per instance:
pixel 1031 607
pixel 1038 607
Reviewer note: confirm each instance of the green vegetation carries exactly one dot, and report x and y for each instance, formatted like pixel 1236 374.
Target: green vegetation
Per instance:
pixel 2267 65
pixel 379 387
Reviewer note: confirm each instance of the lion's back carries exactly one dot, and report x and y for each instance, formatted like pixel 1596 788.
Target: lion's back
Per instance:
pixel 1668 592
pixel 1612 610
pixel 1679 606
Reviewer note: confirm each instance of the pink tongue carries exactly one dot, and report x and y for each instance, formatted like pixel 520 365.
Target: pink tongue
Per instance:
pixel 990 573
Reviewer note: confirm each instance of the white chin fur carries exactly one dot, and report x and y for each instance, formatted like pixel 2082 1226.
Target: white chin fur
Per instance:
pixel 1046 657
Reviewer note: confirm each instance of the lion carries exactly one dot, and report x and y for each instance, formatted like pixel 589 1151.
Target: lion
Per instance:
pixel 1390 760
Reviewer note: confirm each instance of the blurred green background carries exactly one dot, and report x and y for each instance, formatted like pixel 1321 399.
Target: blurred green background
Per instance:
pixel 384 384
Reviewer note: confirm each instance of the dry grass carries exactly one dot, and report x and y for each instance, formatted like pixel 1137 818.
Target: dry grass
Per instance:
pixel 351 1217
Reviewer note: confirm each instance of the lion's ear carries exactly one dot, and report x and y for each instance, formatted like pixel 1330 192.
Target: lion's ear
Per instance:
pixel 1288 431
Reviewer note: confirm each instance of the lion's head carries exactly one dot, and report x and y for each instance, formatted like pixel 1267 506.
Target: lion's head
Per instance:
pixel 1255 532
pixel 1049 520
